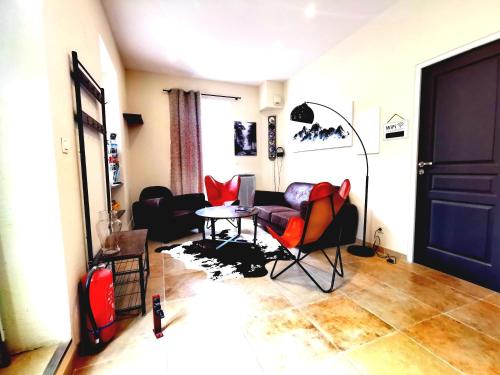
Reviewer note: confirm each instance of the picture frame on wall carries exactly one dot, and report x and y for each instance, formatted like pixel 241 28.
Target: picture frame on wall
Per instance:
pixel 367 124
pixel 245 138
pixel 328 130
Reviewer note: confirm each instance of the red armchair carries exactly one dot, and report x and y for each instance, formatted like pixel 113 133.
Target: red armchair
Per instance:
pixel 308 234
pixel 221 193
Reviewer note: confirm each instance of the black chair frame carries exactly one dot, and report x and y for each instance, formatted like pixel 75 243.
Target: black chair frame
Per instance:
pixel 306 250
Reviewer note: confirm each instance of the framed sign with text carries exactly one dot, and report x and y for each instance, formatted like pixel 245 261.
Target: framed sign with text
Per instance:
pixel 396 128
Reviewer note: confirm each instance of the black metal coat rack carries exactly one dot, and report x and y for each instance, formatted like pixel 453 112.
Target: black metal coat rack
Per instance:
pixel 82 78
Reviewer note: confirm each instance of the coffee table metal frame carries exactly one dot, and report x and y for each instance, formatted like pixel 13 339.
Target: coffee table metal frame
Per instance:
pixel 227 212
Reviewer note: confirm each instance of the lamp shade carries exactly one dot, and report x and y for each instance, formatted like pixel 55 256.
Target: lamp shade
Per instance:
pixel 302 113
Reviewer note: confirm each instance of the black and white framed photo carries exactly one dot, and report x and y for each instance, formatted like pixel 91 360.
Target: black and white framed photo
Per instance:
pixel 245 138
pixel 328 130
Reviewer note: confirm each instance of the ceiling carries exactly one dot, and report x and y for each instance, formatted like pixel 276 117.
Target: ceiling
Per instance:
pixel 244 41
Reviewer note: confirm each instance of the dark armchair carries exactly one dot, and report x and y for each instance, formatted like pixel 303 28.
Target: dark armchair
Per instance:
pixel 167 217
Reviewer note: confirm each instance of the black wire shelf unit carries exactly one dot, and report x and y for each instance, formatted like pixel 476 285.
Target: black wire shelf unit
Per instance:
pixel 128 295
pixel 131 270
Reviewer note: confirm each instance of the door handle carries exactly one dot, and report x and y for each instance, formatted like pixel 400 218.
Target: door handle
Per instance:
pixel 422 164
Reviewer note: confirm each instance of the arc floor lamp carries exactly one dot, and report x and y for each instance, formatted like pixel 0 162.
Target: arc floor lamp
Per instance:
pixel 303 113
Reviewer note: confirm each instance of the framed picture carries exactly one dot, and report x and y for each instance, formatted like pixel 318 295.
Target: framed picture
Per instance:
pixel 328 129
pixel 367 124
pixel 245 138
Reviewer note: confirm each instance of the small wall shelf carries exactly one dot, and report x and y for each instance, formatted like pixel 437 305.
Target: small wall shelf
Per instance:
pixel 116 185
pixel 133 118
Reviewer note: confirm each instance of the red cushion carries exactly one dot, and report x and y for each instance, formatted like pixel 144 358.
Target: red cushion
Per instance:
pixel 293 232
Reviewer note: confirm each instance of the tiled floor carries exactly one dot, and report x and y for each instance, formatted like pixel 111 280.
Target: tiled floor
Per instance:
pixel 28 363
pixel 382 319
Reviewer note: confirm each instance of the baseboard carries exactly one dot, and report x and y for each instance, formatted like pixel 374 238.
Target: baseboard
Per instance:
pixel 399 255
pixel 66 365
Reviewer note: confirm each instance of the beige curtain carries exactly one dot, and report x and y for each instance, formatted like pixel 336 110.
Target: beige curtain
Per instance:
pixel 185 142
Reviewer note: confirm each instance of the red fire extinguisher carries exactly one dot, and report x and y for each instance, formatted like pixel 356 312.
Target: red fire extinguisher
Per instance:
pixel 98 303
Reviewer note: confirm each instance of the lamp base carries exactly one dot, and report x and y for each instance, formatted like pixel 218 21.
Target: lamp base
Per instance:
pixel 361 251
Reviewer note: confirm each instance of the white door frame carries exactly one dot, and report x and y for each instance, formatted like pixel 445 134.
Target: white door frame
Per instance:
pixel 416 127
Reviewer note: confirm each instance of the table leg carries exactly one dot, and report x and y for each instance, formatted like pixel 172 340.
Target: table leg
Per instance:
pixel 113 271
pixel 203 230
pixel 147 257
pixel 212 222
pixel 239 225
pixel 142 285
pixel 254 229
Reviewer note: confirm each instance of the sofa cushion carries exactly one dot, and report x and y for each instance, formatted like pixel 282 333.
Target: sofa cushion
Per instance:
pixel 264 212
pixel 154 207
pixel 155 192
pixel 281 218
pixel 181 213
pixel 297 192
pixel 153 202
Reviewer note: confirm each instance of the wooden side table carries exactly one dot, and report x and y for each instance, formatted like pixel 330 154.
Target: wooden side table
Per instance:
pixel 130 268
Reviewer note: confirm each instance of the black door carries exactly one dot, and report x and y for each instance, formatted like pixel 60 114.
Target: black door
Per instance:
pixel 457 227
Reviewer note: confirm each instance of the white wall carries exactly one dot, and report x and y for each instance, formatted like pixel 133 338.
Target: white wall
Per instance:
pixel 42 232
pixel 149 150
pixel 113 82
pixel 376 67
pixel 79 25
pixel 33 289
pixel 43 253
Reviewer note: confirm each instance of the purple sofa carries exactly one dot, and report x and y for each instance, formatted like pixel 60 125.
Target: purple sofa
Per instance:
pixel 276 208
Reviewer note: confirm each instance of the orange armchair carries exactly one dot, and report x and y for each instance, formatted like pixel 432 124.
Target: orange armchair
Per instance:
pixel 220 193
pixel 307 234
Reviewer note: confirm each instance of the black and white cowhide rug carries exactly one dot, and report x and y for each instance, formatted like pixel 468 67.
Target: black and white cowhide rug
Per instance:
pixel 234 260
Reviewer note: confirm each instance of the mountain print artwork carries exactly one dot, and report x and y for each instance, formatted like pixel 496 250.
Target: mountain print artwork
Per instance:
pixel 328 129
pixel 317 132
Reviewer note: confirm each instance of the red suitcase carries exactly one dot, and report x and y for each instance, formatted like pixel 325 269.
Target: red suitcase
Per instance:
pixel 99 301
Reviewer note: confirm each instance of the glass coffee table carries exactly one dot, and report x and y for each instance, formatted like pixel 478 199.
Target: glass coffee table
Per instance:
pixel 228 212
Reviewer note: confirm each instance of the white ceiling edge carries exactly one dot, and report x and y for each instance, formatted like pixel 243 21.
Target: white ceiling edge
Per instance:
pixel 235 41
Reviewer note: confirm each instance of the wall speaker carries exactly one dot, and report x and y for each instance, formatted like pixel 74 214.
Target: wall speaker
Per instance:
pixel 271 137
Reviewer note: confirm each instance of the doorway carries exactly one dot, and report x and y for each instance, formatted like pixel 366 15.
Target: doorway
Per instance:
pixel 457 218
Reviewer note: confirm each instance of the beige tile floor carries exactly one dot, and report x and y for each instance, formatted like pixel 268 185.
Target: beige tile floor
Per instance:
pixel 31 362
pixel 382 319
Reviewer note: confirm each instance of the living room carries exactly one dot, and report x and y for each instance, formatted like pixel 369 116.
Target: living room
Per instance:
pixel 373 63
